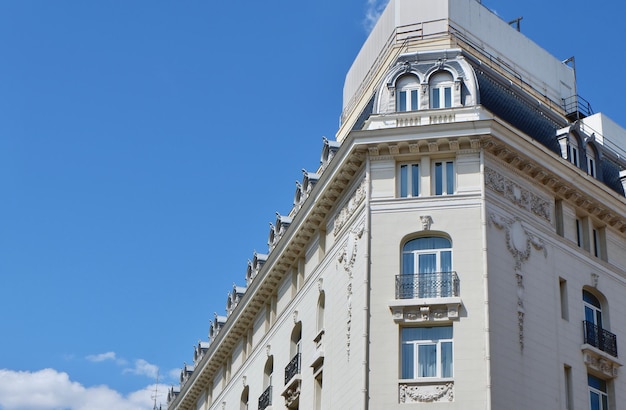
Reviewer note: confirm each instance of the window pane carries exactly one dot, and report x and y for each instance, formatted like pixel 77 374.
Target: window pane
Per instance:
pixel 430 242
pixel 414 99
pixel 446 359
pixel 427 263
pixel 446 261
pixel 435 98
pixel 594 401
pixel 407 361
pixel 403 181
pixel 438 178
pixel 415 179
pixel 408 263
pixel 427 356
pixel 449 177
pixel 448 97
pixel 401 101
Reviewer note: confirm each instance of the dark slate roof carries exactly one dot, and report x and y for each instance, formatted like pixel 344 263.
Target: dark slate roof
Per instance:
pixel 508 105
pixel 365 114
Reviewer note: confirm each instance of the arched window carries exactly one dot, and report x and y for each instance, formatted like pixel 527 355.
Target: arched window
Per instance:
pixel 407 93
pixel 427 268
pixel 593 309
pixel 265 400
pixel 245 398
pixel 441 85
pixel 573 151
pixel 592 160
pixel 321 302
pixel 293 367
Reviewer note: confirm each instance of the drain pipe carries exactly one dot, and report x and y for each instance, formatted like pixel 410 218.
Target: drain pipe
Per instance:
pixel 367 281
pixel 487 333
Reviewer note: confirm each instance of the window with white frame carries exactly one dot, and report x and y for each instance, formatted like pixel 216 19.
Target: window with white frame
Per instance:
pixel 409 180
pixel 426 352
pixel 573 151
pixel 441 85
pixel 427 268
pixel 407 93
pixel 591 161
pixel 598 396
pixel 443 177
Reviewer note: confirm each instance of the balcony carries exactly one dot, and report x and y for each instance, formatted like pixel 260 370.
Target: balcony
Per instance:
pixel 600 338
pixel 265 399
pixel 292 382
pixel 426 297
pixel 427 285
pixel 600 350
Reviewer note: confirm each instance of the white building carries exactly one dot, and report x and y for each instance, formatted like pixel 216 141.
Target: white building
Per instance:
pixel 460 247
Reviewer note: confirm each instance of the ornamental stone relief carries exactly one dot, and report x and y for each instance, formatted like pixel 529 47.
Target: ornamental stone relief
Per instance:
pixel 519 242
pixel 518 195
pixel 352 205
pixel 431 393
pixel 347 257
pixel 600 364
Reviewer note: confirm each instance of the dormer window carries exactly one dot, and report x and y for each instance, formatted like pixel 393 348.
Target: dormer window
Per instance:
pixel 591 161
pixel 441 85
pixel 407 92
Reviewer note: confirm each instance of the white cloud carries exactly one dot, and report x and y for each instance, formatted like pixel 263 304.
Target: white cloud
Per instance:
pixel 101 357
pixel 373 11
pixel 143 368
pixel 49 389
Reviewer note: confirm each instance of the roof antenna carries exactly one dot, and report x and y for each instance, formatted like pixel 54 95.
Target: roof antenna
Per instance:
pixel 516 22
pixel 156 393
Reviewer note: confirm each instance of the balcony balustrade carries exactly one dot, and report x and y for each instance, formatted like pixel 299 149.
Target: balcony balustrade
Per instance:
pixel 600 338
pixel 292 368
pixel 265 399
pixel 427 285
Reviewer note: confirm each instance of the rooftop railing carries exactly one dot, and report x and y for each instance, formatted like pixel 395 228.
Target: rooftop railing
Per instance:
pixel 427 285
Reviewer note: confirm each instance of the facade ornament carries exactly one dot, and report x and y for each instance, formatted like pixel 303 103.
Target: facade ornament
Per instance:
pixel 594 279
pixel 295 317
pixel 320 285
pixel 268 349
pixel 426 221
pixel 519 242
pixel 347 257
pixel 426 393
pixel 244 380
pixel 519 196
pixel 346 213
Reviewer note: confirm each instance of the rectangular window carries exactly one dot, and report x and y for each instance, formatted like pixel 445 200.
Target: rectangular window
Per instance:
pixel 426 352
pixel 444 178
pixel 435 102
pixel 579 232
pixel 447 97
pixel 596 243
pixel 413 100
pixel 569 401
pixel 563 294
pixel 401 101
pixel 409 180
pixel 598 397
pixel 558 216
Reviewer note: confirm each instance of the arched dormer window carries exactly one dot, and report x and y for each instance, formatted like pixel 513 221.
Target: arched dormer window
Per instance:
pixel 592 160
pixel 407 93
pixel 441 85
pixel 427 269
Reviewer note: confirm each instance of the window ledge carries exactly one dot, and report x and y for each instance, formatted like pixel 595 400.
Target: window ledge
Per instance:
pixel 600 363
pixel 425 310
pixel 412 391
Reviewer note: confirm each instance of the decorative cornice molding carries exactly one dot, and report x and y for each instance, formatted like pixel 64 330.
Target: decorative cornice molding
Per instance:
pixel 346 213
pixel 429 393
pixel 519 196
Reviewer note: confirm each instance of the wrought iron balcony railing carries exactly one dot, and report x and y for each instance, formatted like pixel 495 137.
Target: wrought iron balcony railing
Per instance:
pixel 427 285
pixel 265 399
pixel 600 338
pixel 292 368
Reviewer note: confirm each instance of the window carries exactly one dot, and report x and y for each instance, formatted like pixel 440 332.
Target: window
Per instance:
pixel 321 302
pixel 409 180
pixel 572 154
pixel 593 309
pixel 443 174
pixel 441 90
pixel 591 161
pixel 265 400
pixel 427 268
pixel 580 232
pixel 598 397
pixel 426 352
pixel 563 294
pixel 318 390
pixel 245 398
pixel 293 367
pixel 407 93
pixel 567 374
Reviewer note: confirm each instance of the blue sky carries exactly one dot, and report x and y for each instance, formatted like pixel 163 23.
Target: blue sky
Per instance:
pixel 146 145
